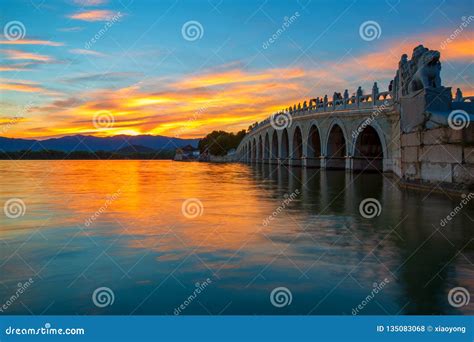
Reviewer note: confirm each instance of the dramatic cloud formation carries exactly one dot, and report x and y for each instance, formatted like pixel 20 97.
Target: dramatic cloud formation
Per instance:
pixel 151 79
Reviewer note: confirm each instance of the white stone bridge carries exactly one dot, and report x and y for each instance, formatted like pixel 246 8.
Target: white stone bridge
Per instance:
pixel 349 132
pixel 417 129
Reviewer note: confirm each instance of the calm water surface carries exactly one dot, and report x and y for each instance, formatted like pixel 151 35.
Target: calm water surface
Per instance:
pixel 138 243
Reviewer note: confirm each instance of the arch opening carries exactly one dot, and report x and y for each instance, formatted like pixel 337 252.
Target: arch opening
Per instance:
pixel 284 146
pixel 266 148
pixel 274 151
pixel 297 150
pixel 368 152
pixel 260 149
pixel 336 149
pixel 254 150
pixel 314 147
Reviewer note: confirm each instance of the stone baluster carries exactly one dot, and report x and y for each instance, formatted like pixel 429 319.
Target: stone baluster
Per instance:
pixel 458 97
pixel 358 95
pixel 375 93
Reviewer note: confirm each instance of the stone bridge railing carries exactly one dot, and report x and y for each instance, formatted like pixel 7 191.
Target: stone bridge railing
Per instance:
pixel 338 103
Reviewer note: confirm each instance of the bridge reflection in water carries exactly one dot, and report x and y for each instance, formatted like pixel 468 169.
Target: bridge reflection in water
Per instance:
pixel 405 243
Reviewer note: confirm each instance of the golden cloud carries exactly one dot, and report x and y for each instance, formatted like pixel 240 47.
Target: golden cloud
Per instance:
pixel 30 42
pixel 22 55
pixel 94 15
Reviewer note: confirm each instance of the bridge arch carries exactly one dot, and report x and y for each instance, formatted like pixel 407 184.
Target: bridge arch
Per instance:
pixel 260 148
pixel 369 147
pixel 336 146
pixel 274 150
pixel 266 147
pixel 297 152
pixel 249 150
pixel 254 149
pixel 313 146
pixel 284 146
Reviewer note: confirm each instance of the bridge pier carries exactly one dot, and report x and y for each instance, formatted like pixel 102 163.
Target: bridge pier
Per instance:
pixel 322 162
pixel 349 163
pixel 304 162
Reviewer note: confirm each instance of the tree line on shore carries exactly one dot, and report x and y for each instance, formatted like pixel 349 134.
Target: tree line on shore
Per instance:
pixel 218 143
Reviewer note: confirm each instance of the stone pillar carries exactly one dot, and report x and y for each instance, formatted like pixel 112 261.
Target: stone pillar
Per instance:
pixel 322 162
pixel 304 161
pixel 375 94
pixel 349 163
pixel 458 97
pixel 358 95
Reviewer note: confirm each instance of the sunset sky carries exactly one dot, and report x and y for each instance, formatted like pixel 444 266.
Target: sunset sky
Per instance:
pixel 131 60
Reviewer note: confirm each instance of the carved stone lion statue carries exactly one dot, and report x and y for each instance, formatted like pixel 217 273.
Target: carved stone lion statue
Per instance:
pixel 427 71
pixel 420 72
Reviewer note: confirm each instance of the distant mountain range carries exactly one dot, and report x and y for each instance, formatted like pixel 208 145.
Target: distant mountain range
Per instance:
pixel 123 143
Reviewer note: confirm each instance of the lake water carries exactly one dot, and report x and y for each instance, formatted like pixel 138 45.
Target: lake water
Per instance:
pixel 122 225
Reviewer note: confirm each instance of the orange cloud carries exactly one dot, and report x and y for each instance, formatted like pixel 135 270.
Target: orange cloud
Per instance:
pixel 30 42
pixel 12 68
pixel 186 108
pixel 226 98
pixel 238 76
pixel 22 55
pixel 20 87
pixel 95 15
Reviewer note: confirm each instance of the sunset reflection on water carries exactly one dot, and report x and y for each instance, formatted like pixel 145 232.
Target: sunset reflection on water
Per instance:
pixel 120 224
